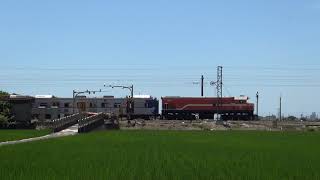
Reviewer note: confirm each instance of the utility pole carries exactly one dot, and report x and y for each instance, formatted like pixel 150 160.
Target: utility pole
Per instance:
pixel 257 105
pixel 219 81
pixel 219 84
pixel 73 100
pixel 202 79
pixel 132 91
pixel 280 118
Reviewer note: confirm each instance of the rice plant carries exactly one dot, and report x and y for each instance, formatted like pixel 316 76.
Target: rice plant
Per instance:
pixel 10 135
pixel 166 155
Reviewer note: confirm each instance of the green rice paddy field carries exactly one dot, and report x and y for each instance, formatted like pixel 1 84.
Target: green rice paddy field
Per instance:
pixel 10 135
pixel 166 155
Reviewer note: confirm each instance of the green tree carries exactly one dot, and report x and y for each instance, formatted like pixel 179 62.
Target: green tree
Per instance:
pixel 2 93
pixel 292 118
pixel 4 121
pixel 4 109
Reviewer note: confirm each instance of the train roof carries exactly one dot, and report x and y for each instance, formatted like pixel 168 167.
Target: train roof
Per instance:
pixel 43 96
pixel 241 98
pixel 142 96
pixel 174 97
pixel 49 97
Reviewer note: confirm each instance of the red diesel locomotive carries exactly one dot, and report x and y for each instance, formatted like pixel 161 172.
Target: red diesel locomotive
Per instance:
pixel 229 108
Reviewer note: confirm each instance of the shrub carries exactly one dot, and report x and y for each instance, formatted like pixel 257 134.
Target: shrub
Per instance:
pixel 4 121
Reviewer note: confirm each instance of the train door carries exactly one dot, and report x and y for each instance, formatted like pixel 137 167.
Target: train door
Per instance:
pixel 82 106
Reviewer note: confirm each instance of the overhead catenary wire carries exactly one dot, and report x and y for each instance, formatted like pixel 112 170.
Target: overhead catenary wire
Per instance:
pixel 145 75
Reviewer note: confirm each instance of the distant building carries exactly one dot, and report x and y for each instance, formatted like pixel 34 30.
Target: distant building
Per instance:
pixel 21 109
pixel 313 116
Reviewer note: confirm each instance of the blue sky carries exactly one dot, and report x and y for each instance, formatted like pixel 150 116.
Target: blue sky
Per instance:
pixel 162 47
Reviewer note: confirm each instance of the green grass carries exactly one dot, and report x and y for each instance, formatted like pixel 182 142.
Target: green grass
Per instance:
pixel 10 135
pixel 166 155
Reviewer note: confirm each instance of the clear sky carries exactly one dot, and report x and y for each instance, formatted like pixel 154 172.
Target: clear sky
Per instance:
pixel 163 47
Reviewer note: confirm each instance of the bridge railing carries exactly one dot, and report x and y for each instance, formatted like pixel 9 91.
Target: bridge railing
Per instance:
pixel 87 124
pixel 57 125
pixel 65 122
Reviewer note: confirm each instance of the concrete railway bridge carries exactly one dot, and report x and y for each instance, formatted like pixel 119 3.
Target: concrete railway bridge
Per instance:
pixel 71 125
pixel 82 122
